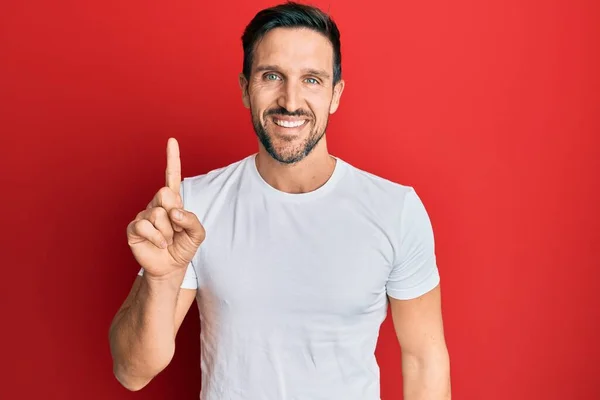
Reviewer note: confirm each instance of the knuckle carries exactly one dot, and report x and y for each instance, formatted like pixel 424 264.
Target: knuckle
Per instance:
pixel 164 193
pixel 130 227
pixel 158 213
pixel 158 237
pixel 139 225
pixel 168 198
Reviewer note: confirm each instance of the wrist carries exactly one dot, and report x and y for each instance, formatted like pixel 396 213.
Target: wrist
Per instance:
pixel 168 281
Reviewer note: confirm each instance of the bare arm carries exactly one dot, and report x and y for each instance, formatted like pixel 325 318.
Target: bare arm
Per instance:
pixel 142 334
pixel 425 360
pixel 163 239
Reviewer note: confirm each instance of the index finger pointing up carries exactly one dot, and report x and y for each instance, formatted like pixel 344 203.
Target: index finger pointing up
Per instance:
pixel 173 173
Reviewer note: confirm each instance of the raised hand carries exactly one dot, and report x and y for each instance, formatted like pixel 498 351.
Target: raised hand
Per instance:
pixel 164 237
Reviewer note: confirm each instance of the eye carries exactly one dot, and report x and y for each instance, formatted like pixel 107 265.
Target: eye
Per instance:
pixel 312 81
pixel 271 77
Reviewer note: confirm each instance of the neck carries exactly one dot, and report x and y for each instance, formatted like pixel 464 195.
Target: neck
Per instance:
pixel 302 177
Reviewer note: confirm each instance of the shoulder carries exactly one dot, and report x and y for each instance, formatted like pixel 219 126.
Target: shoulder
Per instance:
pixel 379 192
pixel 396 207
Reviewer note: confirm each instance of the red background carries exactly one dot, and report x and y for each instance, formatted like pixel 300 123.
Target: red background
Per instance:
pixel 490 109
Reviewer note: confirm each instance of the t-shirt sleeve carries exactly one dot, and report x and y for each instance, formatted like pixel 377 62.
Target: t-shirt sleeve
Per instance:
pixel 190 279
pixel 415 271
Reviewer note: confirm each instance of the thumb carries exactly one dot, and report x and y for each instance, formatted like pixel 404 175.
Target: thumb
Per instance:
pixel 190 224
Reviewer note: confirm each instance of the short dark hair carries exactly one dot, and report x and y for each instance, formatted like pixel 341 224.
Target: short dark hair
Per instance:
pixel 291 15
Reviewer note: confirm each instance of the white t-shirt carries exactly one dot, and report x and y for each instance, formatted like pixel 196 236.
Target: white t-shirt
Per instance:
pixel 292 288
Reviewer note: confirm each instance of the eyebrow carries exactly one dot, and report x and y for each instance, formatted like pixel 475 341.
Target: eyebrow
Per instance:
pixel 310 71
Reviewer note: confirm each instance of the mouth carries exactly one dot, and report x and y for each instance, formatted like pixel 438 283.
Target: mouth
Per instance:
pixel 289 123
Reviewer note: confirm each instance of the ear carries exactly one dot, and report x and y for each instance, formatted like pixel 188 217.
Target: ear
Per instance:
pixel 337 93
pixel 244 86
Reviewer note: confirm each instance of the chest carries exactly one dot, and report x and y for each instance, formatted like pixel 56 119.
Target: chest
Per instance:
pixel 330 262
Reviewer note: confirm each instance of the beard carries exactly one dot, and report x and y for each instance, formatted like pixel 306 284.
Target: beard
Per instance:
pixel 290 153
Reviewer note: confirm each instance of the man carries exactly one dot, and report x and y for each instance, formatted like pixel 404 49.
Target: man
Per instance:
pixel 292 254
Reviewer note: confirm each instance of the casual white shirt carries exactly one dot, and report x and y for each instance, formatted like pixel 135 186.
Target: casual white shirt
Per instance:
pixel 292 288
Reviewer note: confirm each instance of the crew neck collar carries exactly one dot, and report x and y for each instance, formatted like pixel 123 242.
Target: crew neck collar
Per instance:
pixel 271 191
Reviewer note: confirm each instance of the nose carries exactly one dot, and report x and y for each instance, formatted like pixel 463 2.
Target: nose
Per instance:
pixel 290 96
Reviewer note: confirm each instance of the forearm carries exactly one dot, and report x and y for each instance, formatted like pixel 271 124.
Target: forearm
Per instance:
pixel 426 378
pixel 142 337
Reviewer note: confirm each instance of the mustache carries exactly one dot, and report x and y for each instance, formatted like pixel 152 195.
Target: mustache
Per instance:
pixel 283 112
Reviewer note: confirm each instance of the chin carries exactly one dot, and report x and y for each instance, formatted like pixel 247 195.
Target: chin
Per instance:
pixel 285 144
pixel 287 155
pixel 289 150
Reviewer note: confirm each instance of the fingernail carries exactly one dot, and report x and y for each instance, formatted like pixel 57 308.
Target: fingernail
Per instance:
pixel 178 215
pixel 163 244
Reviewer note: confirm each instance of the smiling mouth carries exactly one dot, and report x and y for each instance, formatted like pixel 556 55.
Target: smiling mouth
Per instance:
pixel 289 124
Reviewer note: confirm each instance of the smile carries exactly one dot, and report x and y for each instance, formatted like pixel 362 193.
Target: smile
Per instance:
pixel 289 124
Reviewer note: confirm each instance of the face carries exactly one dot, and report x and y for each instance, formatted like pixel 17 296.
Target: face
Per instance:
pixel 290 92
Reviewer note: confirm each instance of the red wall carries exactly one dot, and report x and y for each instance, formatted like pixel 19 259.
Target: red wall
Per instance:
pixel 490 109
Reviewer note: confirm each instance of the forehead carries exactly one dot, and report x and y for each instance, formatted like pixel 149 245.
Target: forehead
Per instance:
pixel 294 49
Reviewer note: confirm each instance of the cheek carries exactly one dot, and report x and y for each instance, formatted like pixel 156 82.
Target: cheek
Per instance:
pixel 321 109
pixel 318 101
pixel 261 100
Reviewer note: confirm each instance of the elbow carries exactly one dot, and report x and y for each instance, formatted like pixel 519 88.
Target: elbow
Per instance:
pixel 128 381
pixel 134 367
pixel 427 375
pixel 135 373
pixel 432 358
pixel 136 378
pixel 132 387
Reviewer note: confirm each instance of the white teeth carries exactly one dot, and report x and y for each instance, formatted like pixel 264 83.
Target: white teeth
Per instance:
pixel 289 124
